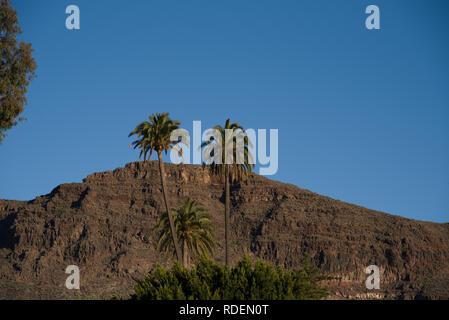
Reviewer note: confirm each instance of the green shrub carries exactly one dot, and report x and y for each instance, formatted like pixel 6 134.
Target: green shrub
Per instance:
pixel 213 281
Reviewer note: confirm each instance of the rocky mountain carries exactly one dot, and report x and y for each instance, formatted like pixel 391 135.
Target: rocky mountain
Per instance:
pixel 104 226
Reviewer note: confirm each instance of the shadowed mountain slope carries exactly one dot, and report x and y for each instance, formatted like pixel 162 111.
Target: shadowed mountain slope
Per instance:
pixel 104 226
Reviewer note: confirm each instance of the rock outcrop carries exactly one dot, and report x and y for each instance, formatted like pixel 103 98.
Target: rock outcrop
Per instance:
pixel 104 226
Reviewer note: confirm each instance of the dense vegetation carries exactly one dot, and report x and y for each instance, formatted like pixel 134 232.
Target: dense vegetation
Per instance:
pixel 245 281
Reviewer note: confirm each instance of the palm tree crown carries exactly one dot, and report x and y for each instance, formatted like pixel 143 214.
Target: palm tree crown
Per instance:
pixel 194 230
pixel 155 134
pixel 227 141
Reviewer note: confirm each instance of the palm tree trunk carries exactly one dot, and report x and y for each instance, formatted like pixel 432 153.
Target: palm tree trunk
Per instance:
pixel 184 254
pixel 227 207
pixel 167 207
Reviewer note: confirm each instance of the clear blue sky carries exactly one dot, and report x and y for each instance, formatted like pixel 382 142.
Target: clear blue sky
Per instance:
pixel 362 115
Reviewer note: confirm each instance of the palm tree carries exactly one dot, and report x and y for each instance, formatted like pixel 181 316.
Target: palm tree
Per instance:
pixel 154 135
pixel 231 169
pixel 194 230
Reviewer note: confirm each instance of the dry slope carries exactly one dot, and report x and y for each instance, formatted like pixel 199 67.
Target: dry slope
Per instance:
pixel 104 225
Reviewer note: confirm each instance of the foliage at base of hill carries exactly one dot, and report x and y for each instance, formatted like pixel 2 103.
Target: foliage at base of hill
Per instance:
pixel 213 281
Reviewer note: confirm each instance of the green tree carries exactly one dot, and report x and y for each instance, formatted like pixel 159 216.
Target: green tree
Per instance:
pixel 17 68
pixel 155 135
pixel 194 230
pixel 230 160
pixel 245 281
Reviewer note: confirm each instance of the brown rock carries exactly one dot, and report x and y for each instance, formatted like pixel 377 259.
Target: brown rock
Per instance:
pixel 104 225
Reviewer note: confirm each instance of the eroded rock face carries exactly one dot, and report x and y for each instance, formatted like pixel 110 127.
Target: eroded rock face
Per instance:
pixel 104 226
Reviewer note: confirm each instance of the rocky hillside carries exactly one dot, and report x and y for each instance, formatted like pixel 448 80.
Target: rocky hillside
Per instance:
pixel 104 226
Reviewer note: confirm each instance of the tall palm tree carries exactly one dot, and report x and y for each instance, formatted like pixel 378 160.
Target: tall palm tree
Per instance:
pixel 154 135
pixel 230 169
pixel 194 230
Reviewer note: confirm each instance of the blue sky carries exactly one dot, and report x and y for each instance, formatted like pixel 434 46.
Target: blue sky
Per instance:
pixel 362 115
